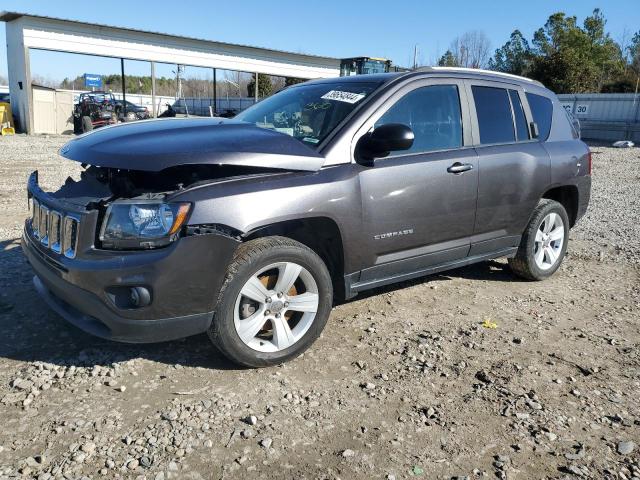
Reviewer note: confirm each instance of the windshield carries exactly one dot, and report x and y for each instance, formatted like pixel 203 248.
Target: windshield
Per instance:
pixel 97 97
pixel 309 113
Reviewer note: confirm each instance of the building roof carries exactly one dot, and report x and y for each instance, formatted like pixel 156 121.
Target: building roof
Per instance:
pixel 6 16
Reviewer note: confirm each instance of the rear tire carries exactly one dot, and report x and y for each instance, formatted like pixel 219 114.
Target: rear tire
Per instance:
pixel 290 298
pixel 87 126
pixel 544 242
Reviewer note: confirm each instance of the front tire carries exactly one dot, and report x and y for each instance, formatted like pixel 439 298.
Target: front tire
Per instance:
pixel 544 242
pixel 77 125
pixel 274 303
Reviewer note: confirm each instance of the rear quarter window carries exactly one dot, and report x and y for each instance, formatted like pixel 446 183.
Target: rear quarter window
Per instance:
pixel 542 111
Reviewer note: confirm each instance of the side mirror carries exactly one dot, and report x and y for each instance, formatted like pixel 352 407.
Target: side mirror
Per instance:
pixel 383 140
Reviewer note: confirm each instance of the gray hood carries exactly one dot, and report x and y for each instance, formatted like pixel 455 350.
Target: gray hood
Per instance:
pixel 154 145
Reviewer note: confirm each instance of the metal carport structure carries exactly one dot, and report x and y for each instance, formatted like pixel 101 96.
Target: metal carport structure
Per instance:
pixel 25 31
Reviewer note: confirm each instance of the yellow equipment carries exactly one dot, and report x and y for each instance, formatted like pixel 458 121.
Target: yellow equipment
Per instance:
pixel 6 119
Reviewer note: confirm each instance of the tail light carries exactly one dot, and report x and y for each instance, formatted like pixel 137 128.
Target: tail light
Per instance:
pixel 590 161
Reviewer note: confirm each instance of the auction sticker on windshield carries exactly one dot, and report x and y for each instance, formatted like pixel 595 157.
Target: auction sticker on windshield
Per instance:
pixel 347 97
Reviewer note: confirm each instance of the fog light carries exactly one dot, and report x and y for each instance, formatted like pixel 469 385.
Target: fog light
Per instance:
pixel 139 296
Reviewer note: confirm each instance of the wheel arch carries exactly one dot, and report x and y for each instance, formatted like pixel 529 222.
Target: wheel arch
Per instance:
pixel 569 197
pixel 320 234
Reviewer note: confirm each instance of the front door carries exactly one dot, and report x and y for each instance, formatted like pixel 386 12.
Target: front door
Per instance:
pixel 419 205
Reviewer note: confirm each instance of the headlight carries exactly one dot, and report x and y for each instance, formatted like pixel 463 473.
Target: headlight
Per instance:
pixel 140 224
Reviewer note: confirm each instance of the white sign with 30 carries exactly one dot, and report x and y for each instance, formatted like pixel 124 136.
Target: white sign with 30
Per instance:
pixel 581 108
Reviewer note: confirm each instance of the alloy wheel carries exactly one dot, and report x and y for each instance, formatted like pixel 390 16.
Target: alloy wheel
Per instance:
pixel 549 241
pixel 276 307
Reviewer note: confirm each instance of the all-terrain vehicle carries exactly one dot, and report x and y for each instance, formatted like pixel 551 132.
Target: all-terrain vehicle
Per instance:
pixel 251 228
pixel 94 109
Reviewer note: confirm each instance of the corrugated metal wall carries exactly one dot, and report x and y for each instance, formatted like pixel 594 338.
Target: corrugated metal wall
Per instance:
pixel 606 116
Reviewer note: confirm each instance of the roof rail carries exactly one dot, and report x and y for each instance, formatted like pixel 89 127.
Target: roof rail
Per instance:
pixel 478 70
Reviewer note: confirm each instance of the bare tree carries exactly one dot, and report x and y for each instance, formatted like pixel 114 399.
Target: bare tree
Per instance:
pixel 44 81
pixel 278 83
pixel 471 49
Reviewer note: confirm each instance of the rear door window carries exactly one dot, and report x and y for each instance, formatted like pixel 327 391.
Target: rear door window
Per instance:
pixel 542 111
pixel 493 109
pixel 434 115
pixel 518 112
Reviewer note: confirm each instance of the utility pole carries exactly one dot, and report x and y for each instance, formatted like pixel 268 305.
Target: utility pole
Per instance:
pixel 153 89
pixel 415 56
pixel 124 89
pixel 635 99
pixel 256 89
pixel 179 71
pixel 215 93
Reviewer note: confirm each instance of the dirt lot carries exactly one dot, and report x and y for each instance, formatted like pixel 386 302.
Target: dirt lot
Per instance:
pixel 405 382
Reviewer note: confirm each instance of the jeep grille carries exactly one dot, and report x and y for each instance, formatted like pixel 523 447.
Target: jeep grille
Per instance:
pixel 55 230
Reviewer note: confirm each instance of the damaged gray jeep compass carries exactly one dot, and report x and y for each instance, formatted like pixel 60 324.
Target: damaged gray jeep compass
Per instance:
pixel 249 228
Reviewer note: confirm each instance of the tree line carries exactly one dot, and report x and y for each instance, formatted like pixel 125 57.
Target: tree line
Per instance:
pixel 165 86
pixel 232 83
pixel 565 56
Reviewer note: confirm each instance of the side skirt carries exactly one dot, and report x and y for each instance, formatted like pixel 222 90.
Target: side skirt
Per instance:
pixel 353 286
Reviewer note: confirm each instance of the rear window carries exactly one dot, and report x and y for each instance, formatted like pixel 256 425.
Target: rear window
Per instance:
pixel 542 111
pixel 494 115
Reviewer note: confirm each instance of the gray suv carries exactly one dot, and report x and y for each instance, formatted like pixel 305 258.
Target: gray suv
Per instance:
pixel 251 228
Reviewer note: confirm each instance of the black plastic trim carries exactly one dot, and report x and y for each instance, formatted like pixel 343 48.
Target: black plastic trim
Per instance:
pixel 352 286
pixel 113 327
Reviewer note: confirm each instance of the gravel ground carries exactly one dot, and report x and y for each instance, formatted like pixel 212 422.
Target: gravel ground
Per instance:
pixel 612 223
pixel 406 381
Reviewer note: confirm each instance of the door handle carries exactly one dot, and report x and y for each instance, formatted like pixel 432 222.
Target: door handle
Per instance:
pixel 458 168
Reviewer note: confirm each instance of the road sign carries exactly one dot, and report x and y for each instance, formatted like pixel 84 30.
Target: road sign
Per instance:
pixel 582 109
pixel 92 80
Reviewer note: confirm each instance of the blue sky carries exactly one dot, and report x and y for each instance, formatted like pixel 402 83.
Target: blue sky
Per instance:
pixel 329 27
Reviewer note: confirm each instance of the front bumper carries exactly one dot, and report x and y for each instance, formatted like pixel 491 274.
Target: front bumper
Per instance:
pixel 184 279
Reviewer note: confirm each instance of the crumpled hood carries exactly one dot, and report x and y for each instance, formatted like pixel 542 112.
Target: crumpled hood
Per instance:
pixel 154 145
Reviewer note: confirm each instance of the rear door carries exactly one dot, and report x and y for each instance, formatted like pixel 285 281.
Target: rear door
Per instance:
pixel 417 211
pixel 514 168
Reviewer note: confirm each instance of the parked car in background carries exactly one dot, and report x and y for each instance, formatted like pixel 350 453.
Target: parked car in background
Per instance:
pixel 94 109
pixel 228 113
pixel 132 112
pixel 250 228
